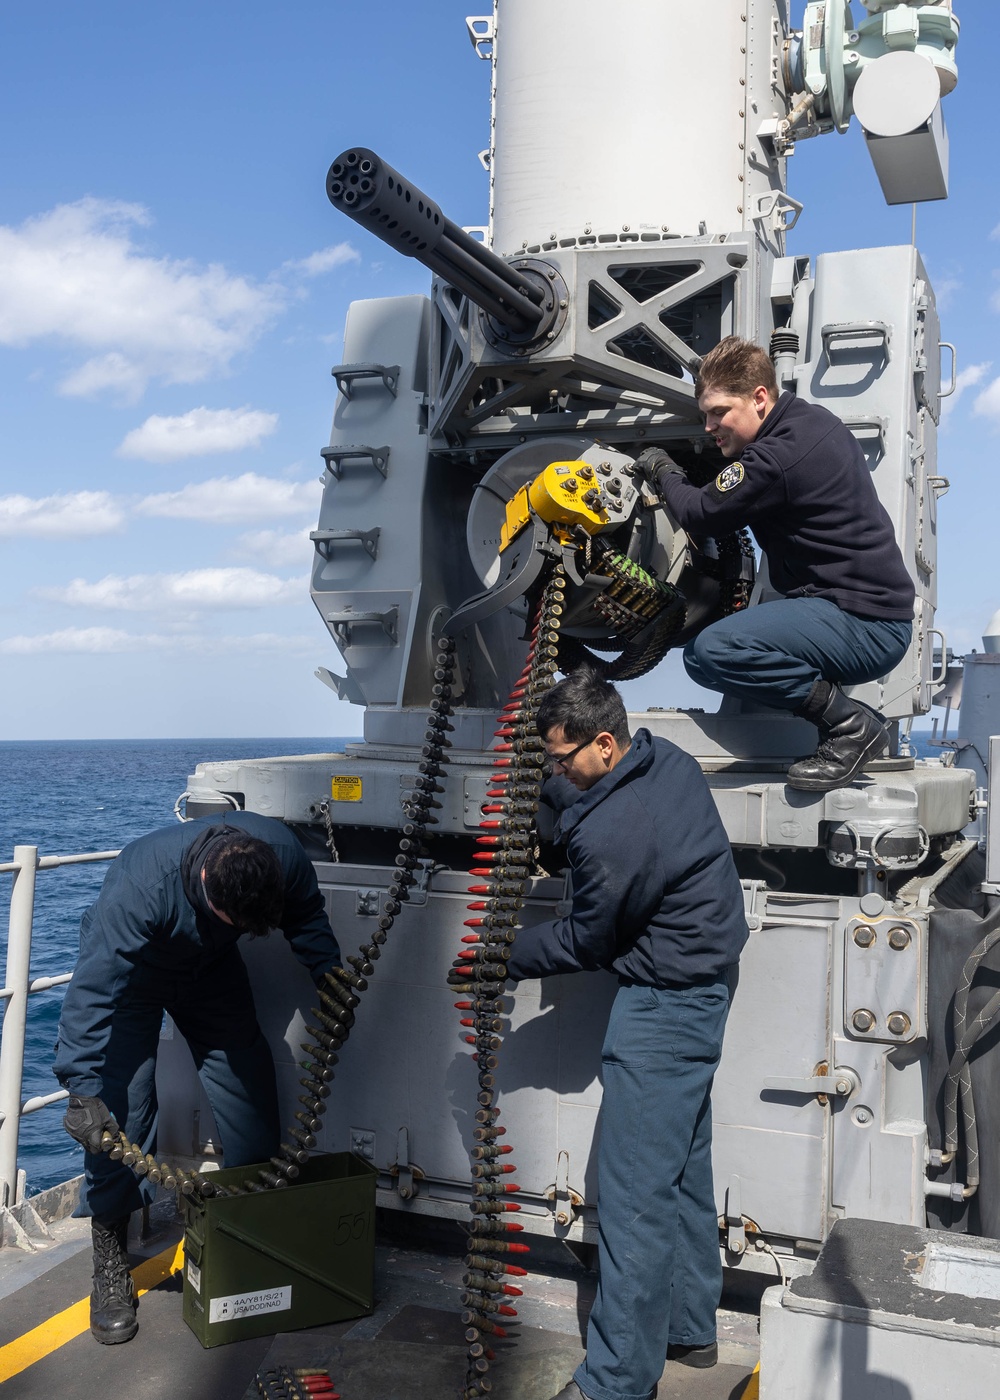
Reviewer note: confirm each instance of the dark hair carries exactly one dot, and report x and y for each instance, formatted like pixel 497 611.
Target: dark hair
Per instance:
pixel 584 705
pixel 244 878
pixel 736 366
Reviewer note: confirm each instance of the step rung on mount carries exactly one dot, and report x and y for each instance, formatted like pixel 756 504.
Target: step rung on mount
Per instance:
pixel 324 540
pixel 335 457
pixel 345 375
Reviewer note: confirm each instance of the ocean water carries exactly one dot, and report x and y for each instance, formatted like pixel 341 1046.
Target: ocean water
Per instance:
pixel 67 797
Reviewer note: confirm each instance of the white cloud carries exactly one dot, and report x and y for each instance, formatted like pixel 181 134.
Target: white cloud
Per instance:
pixel 231 500
pixel 73 513
pixel 944 292
pixel 107 640
pixel 966 378
pixel 323 260
pixel 275 547
pixel 197 433
pixel 75 276
pixel 987 404
pixel 193 590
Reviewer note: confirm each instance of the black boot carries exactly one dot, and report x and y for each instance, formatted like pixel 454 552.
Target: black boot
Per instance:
pixel 112 1302
pixel 850 735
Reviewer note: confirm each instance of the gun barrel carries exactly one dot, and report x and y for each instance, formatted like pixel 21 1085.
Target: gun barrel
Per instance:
pixel 373 194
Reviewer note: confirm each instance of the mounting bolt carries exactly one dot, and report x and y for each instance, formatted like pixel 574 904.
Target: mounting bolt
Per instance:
pixel 862 1021
pixel 862 1116
pixel 899 938
pixel 898 1023
pixel 864 935
pixel 562 1218
pixel 844 1087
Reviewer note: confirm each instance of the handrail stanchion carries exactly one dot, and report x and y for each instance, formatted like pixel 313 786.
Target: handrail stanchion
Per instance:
pixel 22 901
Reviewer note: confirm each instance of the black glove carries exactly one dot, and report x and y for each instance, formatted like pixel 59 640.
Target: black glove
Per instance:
pixel 87 1119
pixel 653 464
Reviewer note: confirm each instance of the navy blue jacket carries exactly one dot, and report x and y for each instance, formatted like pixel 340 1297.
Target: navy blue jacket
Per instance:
pixel 152 916
pixel 805 490
pixel 656 896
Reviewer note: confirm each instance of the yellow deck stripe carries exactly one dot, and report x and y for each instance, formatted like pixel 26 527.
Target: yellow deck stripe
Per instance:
pixel 752 1391
pixel 56 1331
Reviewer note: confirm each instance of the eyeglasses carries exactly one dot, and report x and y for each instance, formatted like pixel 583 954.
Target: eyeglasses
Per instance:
pixel 563 759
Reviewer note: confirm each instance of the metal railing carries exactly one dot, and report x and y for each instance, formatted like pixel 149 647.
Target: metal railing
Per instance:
pixel 18 986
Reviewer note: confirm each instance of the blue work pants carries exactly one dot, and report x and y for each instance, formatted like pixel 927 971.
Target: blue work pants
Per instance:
pixel 774 653
pixel 215 1014
pixel 660 1270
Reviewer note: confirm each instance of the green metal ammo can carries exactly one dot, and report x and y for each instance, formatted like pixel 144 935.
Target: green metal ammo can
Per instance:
pixel 275 1261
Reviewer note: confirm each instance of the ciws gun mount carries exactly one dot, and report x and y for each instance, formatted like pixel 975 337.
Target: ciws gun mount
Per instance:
pixel 638 585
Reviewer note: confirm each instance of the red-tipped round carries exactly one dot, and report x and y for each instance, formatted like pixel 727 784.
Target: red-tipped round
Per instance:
pixel 467 1021
pixel 503 748
pixel 492 807
pixel 511 1291
pixel 505 1310
pixel 472 937
pixel 489 826
pixel 477 904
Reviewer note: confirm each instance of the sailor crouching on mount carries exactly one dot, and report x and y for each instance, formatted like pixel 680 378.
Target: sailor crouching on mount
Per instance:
pixel 163 935
pixel 799 480
pixel 656 898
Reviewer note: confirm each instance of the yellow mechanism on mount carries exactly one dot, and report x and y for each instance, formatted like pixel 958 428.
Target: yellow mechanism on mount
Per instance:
pixel 564 494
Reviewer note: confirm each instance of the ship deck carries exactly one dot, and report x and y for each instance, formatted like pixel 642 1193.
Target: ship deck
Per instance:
pixel 410 1348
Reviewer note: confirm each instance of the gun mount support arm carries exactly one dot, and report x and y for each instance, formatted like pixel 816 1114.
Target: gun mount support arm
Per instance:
pixel 361 185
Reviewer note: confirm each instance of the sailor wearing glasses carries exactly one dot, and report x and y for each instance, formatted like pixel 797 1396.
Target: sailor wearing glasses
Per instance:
pixel 657 900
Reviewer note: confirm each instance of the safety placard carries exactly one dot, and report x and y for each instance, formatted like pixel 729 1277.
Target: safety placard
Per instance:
pixel 193 1274
pixel 345 789
pixel 268 1300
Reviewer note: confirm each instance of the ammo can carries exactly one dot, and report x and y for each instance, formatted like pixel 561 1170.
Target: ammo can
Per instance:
pixel 274 1261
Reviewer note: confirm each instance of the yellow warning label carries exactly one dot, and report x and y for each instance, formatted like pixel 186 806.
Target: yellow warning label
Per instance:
pixel 345 789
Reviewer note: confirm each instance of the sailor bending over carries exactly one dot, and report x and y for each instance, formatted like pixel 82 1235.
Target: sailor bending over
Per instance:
pixel 163 936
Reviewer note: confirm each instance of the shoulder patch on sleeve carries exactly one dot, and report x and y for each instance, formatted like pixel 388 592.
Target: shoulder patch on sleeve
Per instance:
pixel 730 477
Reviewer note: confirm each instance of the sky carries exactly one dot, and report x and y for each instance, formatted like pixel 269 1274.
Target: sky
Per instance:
pixel 173 290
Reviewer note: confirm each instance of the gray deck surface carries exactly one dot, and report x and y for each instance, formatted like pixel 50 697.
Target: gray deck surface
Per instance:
pixel 411 1348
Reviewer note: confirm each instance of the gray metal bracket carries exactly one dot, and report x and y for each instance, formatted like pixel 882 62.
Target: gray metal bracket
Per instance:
pixel 366 902
pixel 344 687
pixel 345 375
pixel 566 1202
pixel 842 1083
pixel 407 1174
pixel 324 540
pixel 335 457
pixel 736 1235
pixel 344 622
